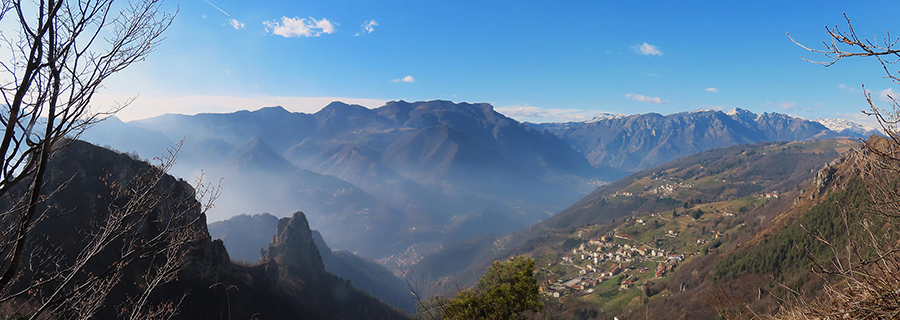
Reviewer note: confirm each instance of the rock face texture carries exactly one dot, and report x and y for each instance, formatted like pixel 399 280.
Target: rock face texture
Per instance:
pixel 294 250
pixel 92 183
pixel 247 236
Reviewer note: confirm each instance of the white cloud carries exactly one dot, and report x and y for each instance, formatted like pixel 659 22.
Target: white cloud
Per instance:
pixel 367 27
pixel 653 75
pixel 545 115
pixel 849 89
pixel 236 24
pixel 787 105
pixel 888 95
pixel 647 49
pixel 643 98
pixel 407 79
pixel 147 106
pixel 711 89
pixel 299 27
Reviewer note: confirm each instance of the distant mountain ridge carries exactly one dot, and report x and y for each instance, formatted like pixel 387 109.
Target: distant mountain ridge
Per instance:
pixel 376 181
pixel 849 127
pixel 418 175
pixel 631 143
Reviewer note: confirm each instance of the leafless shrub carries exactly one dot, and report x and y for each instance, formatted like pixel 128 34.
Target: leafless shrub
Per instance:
pixel 864 273
pixel 59 54
pixel 148 230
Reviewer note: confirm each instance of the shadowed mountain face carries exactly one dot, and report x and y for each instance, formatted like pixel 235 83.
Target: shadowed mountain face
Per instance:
pixel 290 282
pixel 417 175
pixel 631 143
pixel 379 181
pixel 246 237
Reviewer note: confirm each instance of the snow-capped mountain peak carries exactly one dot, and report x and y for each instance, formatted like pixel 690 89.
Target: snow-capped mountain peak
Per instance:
pixel 737 111
pixel 840 125
pixel 606 116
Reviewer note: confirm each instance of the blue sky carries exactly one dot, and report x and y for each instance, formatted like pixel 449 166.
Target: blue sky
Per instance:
pixel 537 61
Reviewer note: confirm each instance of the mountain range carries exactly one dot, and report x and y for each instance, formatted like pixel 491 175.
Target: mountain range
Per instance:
pixel 625 144
pixel 406 179
pixel 439 189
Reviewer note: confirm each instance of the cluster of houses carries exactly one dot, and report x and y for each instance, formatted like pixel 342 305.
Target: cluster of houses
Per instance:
pixel 663 191
pixel 667 189
pixel 598 252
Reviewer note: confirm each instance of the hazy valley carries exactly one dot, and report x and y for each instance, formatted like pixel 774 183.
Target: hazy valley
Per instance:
pixel 412 194
pixel 222 159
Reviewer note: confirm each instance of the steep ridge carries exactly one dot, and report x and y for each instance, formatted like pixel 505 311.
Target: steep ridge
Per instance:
pixel 532 150
pixel 247 238
pixel 631 143
pixel 259 180
pixel 290 282
pixel 775 264
pixel 414 168
pixel 367 275
pixel 424 169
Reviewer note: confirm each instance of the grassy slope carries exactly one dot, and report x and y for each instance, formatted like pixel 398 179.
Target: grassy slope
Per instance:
pixel 710 186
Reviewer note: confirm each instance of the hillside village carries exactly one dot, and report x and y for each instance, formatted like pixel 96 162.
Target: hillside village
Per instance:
pixel 642 249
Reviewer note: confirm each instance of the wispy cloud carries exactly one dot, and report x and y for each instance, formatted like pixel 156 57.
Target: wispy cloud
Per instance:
pixel 367 27
pixel 407 79
pixel 643 98
pixel 647 49
pixel 236 24
pixel 545 115
pixel 299 27
pixel 653 75
pixel 848 88
pixel 888 95
pixel 788 106
pixel 711 89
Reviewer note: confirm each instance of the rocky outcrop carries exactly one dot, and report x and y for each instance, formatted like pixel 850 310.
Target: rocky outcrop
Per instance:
pixel 293 248
pixel 290 284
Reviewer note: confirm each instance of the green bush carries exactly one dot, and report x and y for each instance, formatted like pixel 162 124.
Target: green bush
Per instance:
pixel 506 290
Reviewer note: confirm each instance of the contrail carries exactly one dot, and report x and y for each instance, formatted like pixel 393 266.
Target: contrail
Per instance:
pixel 214 6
